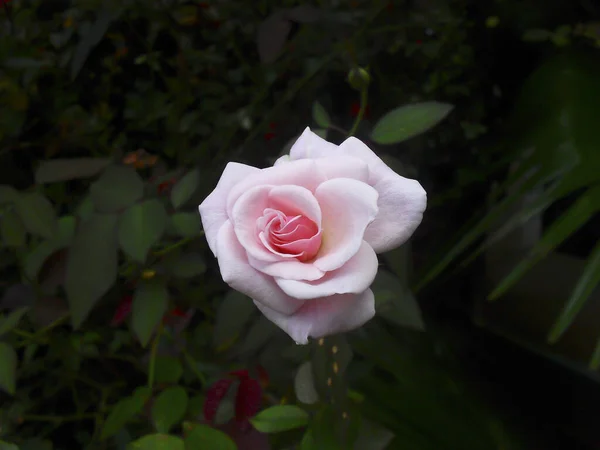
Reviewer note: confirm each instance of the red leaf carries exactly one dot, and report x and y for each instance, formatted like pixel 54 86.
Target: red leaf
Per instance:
pixel 122 311
pixel 248 399
pixel 214 395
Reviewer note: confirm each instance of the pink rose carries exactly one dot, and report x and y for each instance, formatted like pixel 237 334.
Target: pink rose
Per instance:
pixel 300 238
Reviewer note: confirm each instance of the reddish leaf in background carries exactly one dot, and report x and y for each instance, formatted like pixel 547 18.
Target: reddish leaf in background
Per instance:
pixel 248 399
pixel 214 395
pixel 123 310
pixel 355 108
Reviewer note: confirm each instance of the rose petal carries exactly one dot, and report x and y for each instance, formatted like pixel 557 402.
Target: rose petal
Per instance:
pixel 241 276
pixel 401 205
pixel 338 165
pixel 294 201
pixel 247 211
pixel 348 207
pixel 324 316
pixel 299 173
pixel 289 269
pixel 311 146
pixel 353 277
pixel 402 201
pixel 213 210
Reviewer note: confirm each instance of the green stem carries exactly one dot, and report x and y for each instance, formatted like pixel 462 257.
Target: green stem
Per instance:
pixel 175 246
pixel 364 97
pixel 153 351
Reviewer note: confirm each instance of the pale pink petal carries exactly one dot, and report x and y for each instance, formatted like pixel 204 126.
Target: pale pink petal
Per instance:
pixel 213 210
pixel 241 276
pixel 352 278
pixel 311 146
pixel 339 165
pixel 348 207
pixel 244 217
pixel 290 269
pixel 294 201
pixel 402 203
pixel 308 248
pixel 299 173
pixel 325 316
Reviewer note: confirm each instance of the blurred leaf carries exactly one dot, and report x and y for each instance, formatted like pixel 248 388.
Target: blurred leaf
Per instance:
pixel 169 408
pixel 18 296
pixel 12 230
pixel 117 188
pixel 303 14
pixel 395 303
pixel 168 369
pixel 185 188
pixel 595 361
pixel 259 334
pixel 589 280
pixel 8 446
pixel 320 115
pixel 92 264
pixel 8 194
pixel 8 368
pixel 125 411
pixel 187 265
pixel 150 303
pixel 408 121
pixel 537 35
pixel 140 227
pixel 37 214
pixel 203 436
pixel 373 436
pixel 36 444
pixel 233 314
pixel 186 224
pixel 304 385
pixel 321 132
pixel 69 169
pixel 12 320
pixel 568 223
pixel 158 442
pixel 92 37
pixel 322 432
pixel 272 36
pixel 36 258
pixel 280 418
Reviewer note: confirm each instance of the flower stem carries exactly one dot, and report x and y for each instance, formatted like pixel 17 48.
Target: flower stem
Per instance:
pixel 153 351
pixel 364 97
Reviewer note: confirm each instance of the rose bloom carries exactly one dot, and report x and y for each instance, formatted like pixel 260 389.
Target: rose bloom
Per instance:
pixel 300 238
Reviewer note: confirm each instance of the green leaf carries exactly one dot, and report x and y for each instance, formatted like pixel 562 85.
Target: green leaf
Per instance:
pixel 8 194
pixel 395 302
pixel 185 188
pixel 140 227
pixel 8 368
pixel 69 169
pixel 125 411
pixel 12 230
pixel 168 369
pixel 92 265
pixel 36 258
pixel 186 225
pixel 158 442
pixel 234 312
pixel 37 214
pixel 280 418
pixel 117 188
pixel 304 385
pixel 187 265
pixel 320 115
pixel 259 334
pixel 149 305
pixel 563 227
pixel 595 361
pixel 589 280
pixel 203 436
pixel 90 39
pixel 408 121
pixel 169 408
pixel 9 322
pixel 8 446
pixel 373 436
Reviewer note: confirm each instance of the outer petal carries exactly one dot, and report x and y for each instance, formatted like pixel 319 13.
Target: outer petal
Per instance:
pixel 341 166
pixel 213 210
pixel 353 277
pixel 348 207
pixel 311 146
pixel 300 173
pixel 290 269
pixel 238 274
pixel 324 316
pixel 402 201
